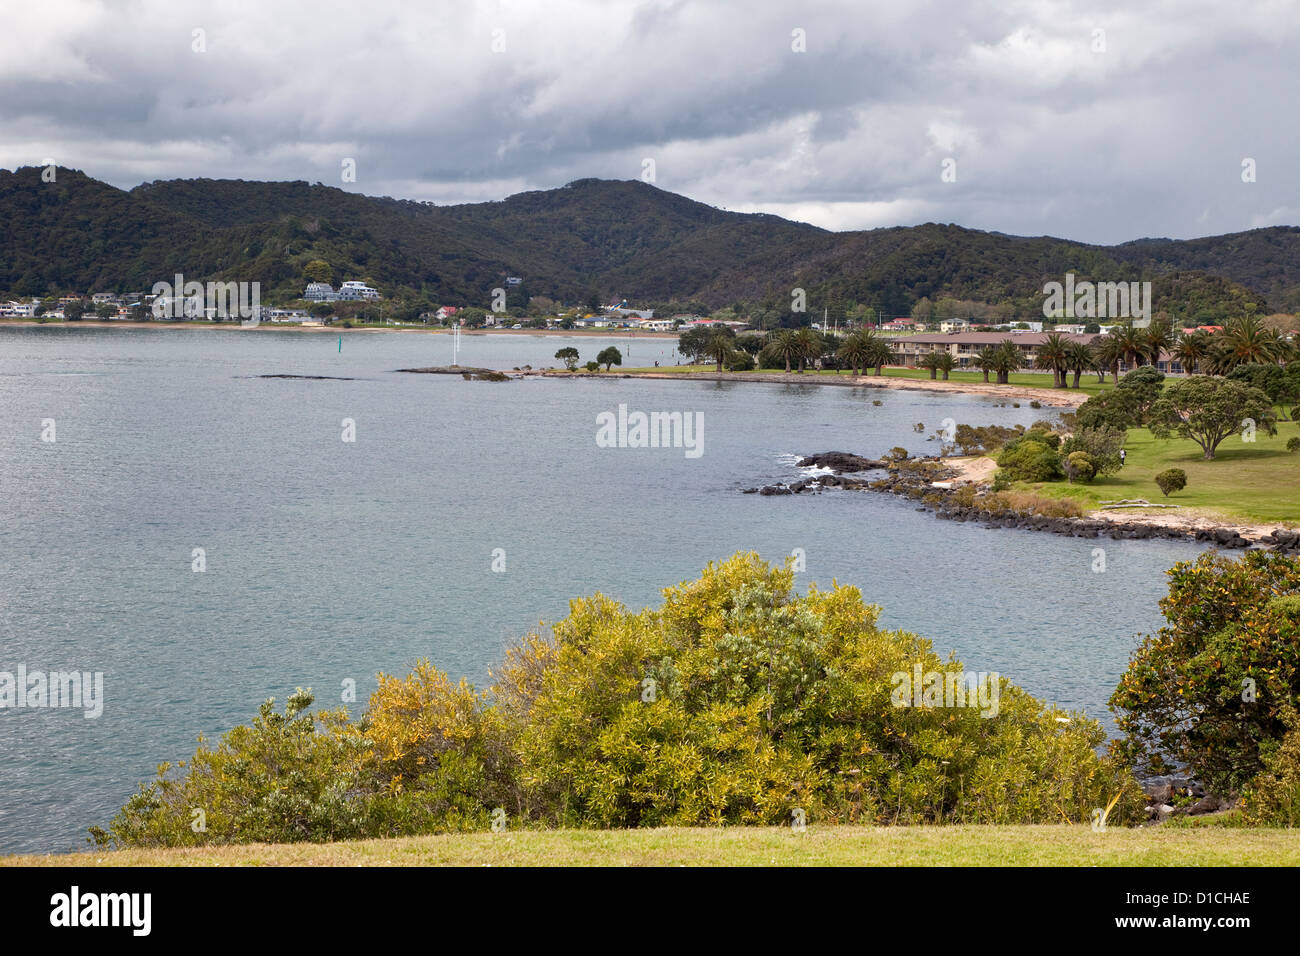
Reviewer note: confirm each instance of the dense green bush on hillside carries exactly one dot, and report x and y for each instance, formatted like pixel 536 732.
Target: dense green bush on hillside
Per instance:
pixel 1211 690
pixel 736 702
pixel 1030 458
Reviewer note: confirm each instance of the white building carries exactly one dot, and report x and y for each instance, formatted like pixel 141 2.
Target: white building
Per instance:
pixel 357 290
pixel 320 292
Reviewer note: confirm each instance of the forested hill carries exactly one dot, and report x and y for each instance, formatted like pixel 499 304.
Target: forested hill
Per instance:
pixel 591 237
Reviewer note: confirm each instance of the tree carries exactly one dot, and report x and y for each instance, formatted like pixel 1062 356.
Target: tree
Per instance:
pixel 609 356
pixel 1207 410
pixel 318 270
pixel 1009 359
pixel 694 343
pixel 1110 352
pixel 987 361
pixel 783 346
pixel 719 344
pixel 810 346
pixel 1156 339
pixel 1208 692
pixel 1244 340
pixel 1079 358
pixel 568 355
pixel 1171 479
pixel 1029 459
pixel 1130 343
pixel 1101 443
pixel 73 311
pixel 1054 354
pixel 1143 385
pixel 878 353
pixel 945 363
pixel 1281 383
pixel 930 360
pixel 855 352
pixel 1079 466
pixel 1191 349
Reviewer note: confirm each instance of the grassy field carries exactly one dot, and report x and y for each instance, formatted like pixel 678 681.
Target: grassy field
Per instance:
pixel 1247 481
pixel 736 846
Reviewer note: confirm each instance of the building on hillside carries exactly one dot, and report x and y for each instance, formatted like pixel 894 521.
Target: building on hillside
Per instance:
pixel 353 291
pixel 954 325
pixel 320 292
pixel 656 325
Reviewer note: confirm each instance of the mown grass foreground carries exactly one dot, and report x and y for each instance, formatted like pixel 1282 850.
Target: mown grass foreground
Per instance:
pixel 750 846
pixel 1246 481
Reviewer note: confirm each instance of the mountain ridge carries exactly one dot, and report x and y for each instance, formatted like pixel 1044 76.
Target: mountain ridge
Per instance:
pixel 606 238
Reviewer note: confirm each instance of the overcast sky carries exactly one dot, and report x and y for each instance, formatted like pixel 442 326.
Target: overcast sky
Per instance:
pixel 1094 121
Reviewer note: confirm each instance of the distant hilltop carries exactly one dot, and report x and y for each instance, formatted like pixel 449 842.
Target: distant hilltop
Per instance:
pixel 596 241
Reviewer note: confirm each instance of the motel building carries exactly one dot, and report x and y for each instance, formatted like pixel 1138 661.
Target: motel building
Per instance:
pixel 965 346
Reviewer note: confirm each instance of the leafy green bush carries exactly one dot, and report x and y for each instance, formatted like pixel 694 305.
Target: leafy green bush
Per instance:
pixel 1029 460
pixel 592 366
pixel 1171 479
pixel 1115 409
pixel 275 781
pixel 1272 798
pixel 1079 466
pixel 1210 690
pixel 1293 444
pixel 740 361
pixel 736 702
pixel 984 439
pixel 1102 443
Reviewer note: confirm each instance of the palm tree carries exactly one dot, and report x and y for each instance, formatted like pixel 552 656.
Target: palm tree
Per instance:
pixel 1010 359
pixel 855 351
pixel 720 344
pixel 1130 341
pixel 1247 340
pixel 1110 352
pixel 879 353
pixel 1157 338
pixel 931 361
pixel 810 346
pixel 783 346
pixel 945 363
pixel 1191 349
pixel 1079 358
pixel 1054 354
pixel 987 361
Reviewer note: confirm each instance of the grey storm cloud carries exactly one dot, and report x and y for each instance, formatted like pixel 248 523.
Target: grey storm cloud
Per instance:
pixel 1099 122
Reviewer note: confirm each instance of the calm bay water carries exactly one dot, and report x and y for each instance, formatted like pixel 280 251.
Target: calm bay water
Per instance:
pixel 329 561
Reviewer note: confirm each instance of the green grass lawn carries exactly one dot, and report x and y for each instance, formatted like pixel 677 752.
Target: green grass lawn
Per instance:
pixel 1256 482
pixel 1059 845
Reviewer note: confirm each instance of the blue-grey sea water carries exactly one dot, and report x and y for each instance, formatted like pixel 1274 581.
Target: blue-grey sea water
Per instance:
pixel 328 560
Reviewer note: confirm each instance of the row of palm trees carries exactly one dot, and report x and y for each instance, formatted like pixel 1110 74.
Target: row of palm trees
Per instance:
pixel 1242 341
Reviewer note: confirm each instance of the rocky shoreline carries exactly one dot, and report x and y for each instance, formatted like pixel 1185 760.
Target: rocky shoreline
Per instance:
pixel 935 485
